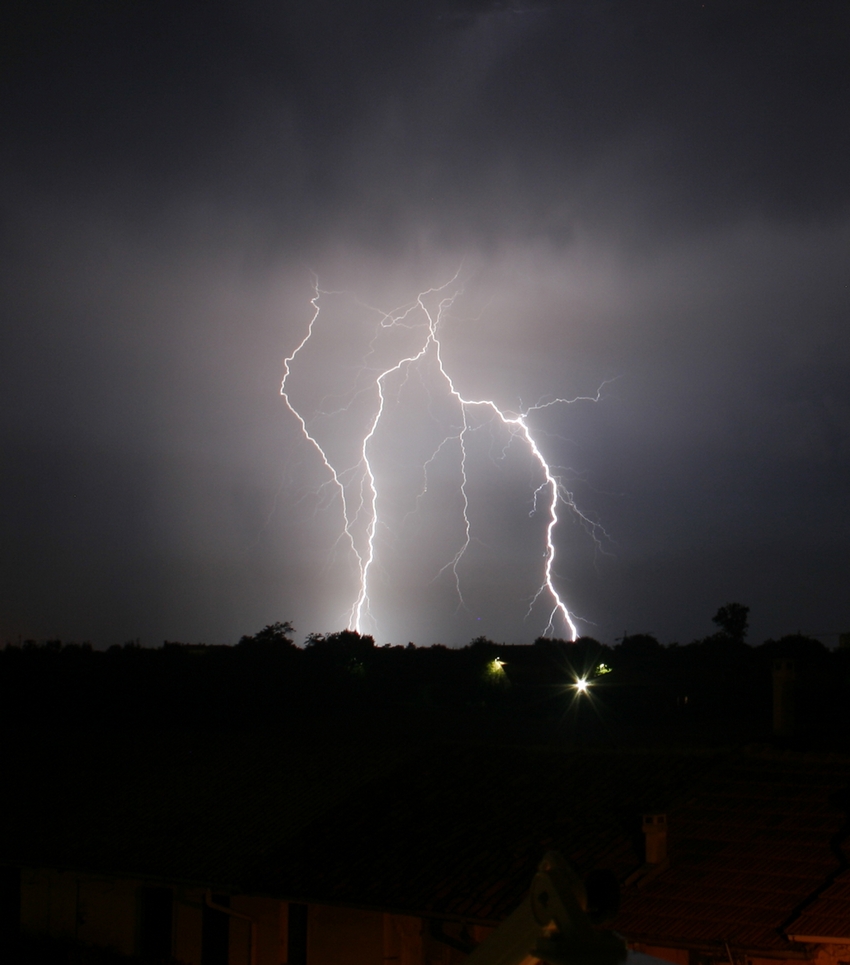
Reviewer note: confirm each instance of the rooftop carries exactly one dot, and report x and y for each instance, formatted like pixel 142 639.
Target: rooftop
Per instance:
pixel 452 830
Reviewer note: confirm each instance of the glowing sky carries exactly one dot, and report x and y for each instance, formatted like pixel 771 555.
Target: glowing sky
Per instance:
pixel 650 198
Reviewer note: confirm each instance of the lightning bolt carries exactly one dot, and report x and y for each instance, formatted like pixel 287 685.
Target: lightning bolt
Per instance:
pixel 357 483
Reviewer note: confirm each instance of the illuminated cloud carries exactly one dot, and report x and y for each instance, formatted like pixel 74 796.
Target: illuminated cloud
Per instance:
pixel 396 383
pixel 650 194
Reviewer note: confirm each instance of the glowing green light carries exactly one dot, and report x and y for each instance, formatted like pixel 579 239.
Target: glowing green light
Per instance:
pixel 601 670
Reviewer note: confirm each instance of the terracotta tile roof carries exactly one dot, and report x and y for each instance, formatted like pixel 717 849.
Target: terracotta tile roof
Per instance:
pixel 459 830
pixel 456 830
pixel 828 916
pixel 745 853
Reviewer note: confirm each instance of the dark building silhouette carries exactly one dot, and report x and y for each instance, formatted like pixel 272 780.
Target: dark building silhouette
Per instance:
pixel 232 851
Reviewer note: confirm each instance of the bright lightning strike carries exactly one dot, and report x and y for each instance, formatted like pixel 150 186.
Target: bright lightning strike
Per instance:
pixel 416 351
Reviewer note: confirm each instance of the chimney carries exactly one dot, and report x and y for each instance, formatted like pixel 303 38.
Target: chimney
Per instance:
pixel 784 685
pixel 655 833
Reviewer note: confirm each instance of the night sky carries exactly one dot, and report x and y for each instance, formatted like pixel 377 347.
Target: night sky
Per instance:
pixel 649 200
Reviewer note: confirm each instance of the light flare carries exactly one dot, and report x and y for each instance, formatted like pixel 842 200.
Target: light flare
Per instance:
pixel 357 484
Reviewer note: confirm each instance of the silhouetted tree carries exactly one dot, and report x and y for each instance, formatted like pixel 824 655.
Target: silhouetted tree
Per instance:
pixel 346 647
pixel 639 645
pixel 732 620
pixel 797 646
pixel 275 636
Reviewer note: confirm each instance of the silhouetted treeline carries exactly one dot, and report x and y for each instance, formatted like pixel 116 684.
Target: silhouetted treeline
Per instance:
pixel 716 690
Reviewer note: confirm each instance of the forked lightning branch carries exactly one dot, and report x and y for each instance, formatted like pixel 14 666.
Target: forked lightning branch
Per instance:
pixel 382 369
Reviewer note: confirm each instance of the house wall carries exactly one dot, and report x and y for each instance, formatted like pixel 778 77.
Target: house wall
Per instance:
pixel 269 916
pixel 347 936
pixel 678 956
pixel 771 961
pixel 48 903
pixel 344 936
pixel 402 940
pixel 188 920
pixel 266 914
pixel 106 912
pixel 684 956
pixel 831 954
pixel 88 908
pixel 438 952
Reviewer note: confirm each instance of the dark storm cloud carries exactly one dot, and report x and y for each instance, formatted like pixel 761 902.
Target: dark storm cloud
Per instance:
pixel 365 118
pixel 654 192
